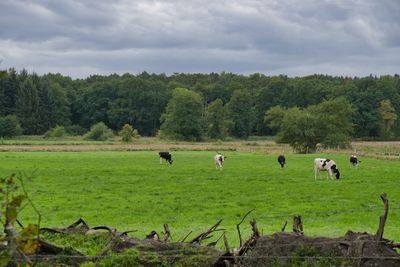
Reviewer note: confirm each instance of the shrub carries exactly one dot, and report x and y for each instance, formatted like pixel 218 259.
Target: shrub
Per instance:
pixel 128 133
pixel 58 131
pixel 75 130
pixel 9 126
pixel 98 132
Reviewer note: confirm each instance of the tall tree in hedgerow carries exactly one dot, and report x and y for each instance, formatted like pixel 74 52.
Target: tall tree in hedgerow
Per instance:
pixel 216 120
pixel 241 113
pixel 183 118
pixel 388 116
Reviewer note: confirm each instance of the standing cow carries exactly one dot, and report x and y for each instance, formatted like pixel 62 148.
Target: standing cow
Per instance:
pixel 166 156
pixel 326 165
pixel 219 161
pixel 282 160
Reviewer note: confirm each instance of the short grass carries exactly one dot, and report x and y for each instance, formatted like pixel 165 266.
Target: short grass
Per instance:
pixel 131 190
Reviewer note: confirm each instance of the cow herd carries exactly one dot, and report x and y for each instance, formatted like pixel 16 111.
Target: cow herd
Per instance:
pixel 320 164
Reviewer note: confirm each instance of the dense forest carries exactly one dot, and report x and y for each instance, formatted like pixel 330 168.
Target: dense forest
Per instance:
pixel 223 104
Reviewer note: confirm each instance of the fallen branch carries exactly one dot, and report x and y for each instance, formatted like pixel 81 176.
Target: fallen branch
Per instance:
pixel 212 244
pixel 204 235
pixel 78 222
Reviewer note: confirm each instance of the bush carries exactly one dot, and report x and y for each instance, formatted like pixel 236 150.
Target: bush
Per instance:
pixel 128 133
pixel 75 130
pixel 9 126
pixel 98 132
pixel 58 131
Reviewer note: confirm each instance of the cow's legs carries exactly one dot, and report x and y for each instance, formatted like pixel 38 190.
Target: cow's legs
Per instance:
pixel 160 160
pixel 316 173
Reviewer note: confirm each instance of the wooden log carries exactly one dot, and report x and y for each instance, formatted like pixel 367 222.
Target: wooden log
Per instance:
pixel 383 217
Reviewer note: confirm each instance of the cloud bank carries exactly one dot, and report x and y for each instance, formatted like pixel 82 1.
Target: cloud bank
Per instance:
pixel 296 38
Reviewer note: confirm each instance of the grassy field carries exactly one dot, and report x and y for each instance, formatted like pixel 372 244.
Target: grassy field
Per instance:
pixel 131 190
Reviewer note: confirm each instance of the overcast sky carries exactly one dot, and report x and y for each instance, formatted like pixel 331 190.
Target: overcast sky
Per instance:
pixel 292 37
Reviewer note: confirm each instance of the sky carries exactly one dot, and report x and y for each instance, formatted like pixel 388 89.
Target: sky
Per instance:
pixel 272 37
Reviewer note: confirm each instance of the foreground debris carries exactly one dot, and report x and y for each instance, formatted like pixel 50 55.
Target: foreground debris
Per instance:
pixel 279 249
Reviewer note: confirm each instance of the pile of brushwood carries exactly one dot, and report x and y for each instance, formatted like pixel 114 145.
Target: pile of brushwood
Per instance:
pixel 279 249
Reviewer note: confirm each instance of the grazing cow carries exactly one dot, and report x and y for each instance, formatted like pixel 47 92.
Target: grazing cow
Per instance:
pixel 325 165
pixel 219 161
pixel 282 160
pixel 354 160
pixel 165 155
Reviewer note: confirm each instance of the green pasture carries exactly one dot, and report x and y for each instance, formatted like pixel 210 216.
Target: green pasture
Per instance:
pixel 131 190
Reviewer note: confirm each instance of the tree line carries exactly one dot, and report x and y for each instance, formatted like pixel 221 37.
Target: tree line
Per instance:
pixel 197 106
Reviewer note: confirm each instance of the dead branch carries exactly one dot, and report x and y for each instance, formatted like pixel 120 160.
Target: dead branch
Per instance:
pixel 238 227
pixel 284 226
pixel 251 242
pixel 167 233
pixel 19 223
pixel 79 221
pixel 111 243
pixel 186 236
pixel 212 244
pixel 383 217
pixel 297 225
pixel 103 227
pixel 395 245
pixel 125 233
pixel 204 235
pixel 227 249
pixel 52 230
pixel 153 236
pixel 256 233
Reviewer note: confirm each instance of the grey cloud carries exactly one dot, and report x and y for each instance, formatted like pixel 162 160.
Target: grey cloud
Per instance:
pixel 77 37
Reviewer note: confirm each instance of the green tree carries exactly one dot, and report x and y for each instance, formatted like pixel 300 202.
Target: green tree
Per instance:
pixel 388 117
pixel 334 117
pixel 138 102
pixel 9 126
pixel 216 120
pixel 299 128
pixel 241 113
pixel 183 118
pixel 328 123
pixel 274 116
pixel 27 105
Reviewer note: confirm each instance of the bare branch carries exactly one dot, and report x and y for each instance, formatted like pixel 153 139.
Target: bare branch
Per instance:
pixel 238 226
pixel 284 226
pixel 383 217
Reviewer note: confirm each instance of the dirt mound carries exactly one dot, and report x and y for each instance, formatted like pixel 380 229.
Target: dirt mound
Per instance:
pixel 290 249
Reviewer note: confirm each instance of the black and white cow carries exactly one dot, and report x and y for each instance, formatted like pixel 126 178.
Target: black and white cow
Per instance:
pixel 165 155
pixel 282 160
pixel 354 160
pixel 219 161
pixel 325 165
